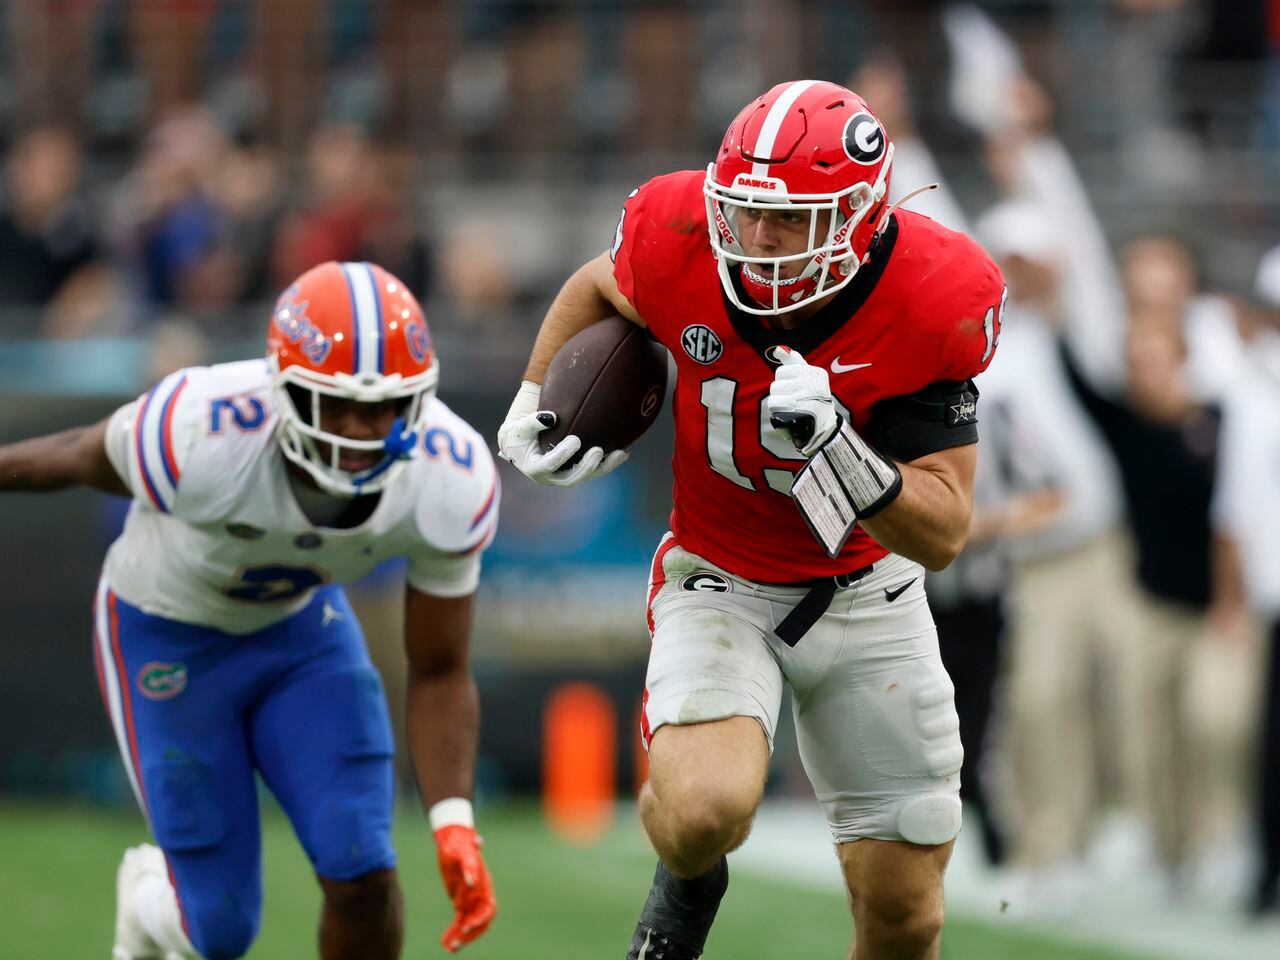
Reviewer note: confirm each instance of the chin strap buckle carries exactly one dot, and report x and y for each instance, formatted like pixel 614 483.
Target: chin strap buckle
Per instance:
pixel 400 442
pixel 398 445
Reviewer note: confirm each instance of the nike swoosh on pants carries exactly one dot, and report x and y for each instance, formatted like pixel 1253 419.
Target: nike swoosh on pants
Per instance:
pixel 892 595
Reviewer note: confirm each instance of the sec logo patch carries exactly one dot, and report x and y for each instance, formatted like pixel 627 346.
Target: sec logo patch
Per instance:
pixel 701 343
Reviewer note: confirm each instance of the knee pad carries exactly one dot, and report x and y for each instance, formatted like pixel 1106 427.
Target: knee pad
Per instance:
pixel 351 824
pixel 182 804
pixel 929 820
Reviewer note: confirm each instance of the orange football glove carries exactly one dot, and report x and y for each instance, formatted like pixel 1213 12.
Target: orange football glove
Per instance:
pixel 466 880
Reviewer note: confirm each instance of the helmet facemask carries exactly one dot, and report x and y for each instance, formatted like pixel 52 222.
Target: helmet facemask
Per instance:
pixel 297 394
pixel 828 264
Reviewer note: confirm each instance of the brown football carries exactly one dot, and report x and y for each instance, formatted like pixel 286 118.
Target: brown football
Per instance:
pixel 606 385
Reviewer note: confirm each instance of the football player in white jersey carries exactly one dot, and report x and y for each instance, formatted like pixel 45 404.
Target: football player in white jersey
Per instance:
pixel 224 642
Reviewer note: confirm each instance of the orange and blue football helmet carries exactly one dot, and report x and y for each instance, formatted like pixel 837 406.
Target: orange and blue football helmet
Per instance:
pixel 354 331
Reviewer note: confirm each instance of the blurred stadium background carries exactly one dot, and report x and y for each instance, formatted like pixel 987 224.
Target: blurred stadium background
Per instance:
pixel 169 164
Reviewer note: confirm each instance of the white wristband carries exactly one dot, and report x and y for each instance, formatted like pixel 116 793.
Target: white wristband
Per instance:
pixel 454 812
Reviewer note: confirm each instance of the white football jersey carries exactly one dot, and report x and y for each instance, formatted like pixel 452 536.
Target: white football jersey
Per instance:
pixel 215 535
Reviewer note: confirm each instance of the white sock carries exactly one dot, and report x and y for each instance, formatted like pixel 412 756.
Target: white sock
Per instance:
pixel 156 906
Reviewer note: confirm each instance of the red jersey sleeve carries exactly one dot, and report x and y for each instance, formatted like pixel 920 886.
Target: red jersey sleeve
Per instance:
pixel 969 303
pixel 662 231
pixel 625 241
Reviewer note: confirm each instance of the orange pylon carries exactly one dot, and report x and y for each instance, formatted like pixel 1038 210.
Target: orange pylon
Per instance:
pixel 579 762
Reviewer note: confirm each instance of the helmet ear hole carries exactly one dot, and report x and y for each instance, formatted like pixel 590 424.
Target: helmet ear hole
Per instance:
pixel 301 399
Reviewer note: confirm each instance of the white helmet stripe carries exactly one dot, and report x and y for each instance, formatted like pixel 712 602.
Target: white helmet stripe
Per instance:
pixel 773 122
pixel 368 319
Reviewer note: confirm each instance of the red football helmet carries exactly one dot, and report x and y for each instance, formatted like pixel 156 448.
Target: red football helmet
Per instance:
pixel 349 330
pixel 813 146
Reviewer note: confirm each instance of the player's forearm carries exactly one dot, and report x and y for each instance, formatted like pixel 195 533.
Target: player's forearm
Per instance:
pixel 927 522
pixel 58 461
pixel 577 306
pixel 443 718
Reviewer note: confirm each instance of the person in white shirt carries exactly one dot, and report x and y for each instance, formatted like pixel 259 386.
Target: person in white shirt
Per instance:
pixel 1071 608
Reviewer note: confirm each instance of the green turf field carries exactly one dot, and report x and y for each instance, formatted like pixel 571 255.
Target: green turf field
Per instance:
pixel 556 902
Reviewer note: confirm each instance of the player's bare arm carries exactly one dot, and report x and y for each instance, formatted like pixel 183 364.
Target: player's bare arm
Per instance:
pixel 443 707
pixel 72 458
pixel 587 297
pixel 921 509
pixel 929 519
pixel 443 719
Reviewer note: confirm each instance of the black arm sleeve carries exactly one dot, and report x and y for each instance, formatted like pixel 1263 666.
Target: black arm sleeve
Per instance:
pixel 941 416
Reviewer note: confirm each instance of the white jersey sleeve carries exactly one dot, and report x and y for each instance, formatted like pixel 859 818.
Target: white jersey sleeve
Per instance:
pixel 150 440
pixel 457 509
pixel 183 447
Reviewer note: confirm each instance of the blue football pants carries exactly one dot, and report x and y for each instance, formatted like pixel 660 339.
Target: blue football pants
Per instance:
pixel 197 711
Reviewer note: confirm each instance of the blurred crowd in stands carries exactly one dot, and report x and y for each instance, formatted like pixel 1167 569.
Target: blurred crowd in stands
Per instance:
pixel 1114 628
pixel 181 158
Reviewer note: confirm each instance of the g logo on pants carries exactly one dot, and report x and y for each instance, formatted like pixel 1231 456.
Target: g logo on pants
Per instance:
pixel 705 583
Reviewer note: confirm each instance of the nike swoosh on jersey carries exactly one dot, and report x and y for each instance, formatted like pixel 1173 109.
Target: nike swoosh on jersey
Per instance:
pixel 892 595
pixel 838 367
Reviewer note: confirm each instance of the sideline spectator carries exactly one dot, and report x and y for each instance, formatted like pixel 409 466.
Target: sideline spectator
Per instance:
pixel 53 279
pixel 1072 611
pixel 51 51
pixel 357 205
pixel 1164 438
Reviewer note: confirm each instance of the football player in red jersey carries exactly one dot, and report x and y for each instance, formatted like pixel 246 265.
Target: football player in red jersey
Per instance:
pixel 825 428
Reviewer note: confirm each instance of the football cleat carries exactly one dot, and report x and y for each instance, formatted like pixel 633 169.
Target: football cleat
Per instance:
pixel 648 944
pixel 678 914
pixel 132 941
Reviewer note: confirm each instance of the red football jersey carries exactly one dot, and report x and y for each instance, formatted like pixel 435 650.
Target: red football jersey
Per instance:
pixel 924 308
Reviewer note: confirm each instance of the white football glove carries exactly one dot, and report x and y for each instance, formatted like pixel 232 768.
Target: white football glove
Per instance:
pixel 518 444
pixel 800 402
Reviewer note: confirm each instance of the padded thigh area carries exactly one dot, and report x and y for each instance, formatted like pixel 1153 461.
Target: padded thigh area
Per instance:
pixel 324 745
pixel 709 662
